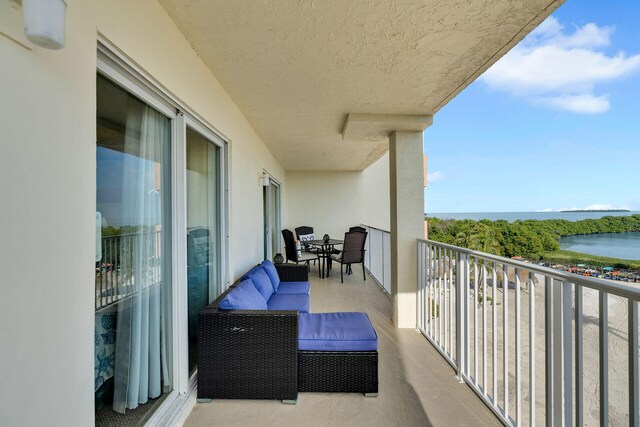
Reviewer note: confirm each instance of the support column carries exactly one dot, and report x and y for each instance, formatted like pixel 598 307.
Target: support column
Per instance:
pixel 406 175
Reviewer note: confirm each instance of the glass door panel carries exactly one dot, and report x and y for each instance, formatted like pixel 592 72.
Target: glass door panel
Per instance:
pixel 271 200
pixel 133 322
pixel 204 278
pixel 274 217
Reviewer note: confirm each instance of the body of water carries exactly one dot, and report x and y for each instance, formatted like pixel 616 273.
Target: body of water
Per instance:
pixel 514 216
pixel 615 245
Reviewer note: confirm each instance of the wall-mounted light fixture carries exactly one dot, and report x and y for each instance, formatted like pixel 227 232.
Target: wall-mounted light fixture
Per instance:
pixel 264 179
pixel 44 22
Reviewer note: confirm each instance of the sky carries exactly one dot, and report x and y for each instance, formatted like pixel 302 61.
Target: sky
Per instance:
pixel 553 125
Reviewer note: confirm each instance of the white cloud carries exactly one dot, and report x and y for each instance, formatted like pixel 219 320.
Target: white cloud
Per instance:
pixel 594 207
pixel 551 32
pixel 435 177
pixel 558 69
pixel 585 104
pixel 597 207
pixel 604 207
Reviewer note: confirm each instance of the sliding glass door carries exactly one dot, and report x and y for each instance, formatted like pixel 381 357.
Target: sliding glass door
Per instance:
pixel 271 204
pixel 161 243
pixel 204 220
pixel 133 287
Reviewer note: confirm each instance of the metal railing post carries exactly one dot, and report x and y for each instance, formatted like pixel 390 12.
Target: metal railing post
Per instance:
pixel 548 349
pixel 567 358
pixel 562 351
pixel 460 313
pixel 603 333
pixel 634 419
pixel 419 324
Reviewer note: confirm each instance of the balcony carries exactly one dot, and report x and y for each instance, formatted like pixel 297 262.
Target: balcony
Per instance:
pixel 417 386
pixel 555 351
pixel 312 94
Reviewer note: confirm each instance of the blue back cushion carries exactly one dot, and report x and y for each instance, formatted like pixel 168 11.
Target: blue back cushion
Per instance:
pixel 271 271
pixel 261 281
pixel 244 296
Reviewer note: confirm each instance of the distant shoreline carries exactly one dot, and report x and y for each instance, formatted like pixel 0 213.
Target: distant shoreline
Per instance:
pixel 597 210
pixel 525 216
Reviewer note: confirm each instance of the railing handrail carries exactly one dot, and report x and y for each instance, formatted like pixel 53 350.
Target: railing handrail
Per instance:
pixel 104 237
pixel 376 228
pixel 383 251
pixel 619 289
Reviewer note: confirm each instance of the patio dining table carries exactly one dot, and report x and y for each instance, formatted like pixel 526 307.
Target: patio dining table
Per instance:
pixel 326 248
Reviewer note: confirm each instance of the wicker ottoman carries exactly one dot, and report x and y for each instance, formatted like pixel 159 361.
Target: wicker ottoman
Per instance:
pixel 337 352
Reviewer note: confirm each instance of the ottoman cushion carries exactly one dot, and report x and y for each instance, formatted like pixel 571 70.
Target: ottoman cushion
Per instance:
pixel 336 332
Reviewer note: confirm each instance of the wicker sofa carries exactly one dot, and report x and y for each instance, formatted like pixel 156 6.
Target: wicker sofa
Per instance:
pixel 254 354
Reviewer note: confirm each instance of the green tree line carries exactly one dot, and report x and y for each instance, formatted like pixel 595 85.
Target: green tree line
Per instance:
pixel 528 238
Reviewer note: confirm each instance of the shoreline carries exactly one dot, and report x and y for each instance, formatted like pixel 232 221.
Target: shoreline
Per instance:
pixel 594 262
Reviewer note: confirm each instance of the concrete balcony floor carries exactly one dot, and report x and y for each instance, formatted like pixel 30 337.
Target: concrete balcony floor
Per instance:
pixel 416 386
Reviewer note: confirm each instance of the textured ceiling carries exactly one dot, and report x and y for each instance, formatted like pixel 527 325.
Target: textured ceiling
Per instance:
pixel 297 69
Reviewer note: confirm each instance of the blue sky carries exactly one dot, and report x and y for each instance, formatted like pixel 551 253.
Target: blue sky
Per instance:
pixel 555 124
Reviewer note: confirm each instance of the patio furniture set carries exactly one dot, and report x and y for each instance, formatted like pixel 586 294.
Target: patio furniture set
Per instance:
pixel 258 340
pixel 324 250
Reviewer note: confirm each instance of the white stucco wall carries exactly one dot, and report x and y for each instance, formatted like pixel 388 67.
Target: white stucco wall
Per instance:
pixel 331 202
pixel 47 224
pixel 375 190
pixel 47 182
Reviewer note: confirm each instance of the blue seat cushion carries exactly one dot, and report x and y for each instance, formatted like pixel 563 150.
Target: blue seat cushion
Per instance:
pixel 336 332
pixel 244 296
pixel 289 302
pixel 261 281
pixel 271 271
pixel 293 288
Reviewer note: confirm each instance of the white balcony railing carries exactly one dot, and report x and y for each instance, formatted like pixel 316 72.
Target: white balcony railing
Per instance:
pixel 120 258
pixel 556 348
pixel 377 257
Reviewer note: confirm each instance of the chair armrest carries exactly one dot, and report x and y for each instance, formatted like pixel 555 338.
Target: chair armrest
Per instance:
pixel 247 354
pixel 292 272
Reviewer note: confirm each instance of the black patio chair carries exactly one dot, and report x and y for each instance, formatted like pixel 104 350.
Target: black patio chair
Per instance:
pixel 305 233
pixel 292 254
pixel 352 251
pixel 354 228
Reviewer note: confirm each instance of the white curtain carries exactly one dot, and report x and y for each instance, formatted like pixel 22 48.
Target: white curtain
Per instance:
pixel 142 365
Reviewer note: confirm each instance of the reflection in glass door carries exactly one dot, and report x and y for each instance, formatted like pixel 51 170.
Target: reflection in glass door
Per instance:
pixel 271 203
pixel 204 278
pixel 133 305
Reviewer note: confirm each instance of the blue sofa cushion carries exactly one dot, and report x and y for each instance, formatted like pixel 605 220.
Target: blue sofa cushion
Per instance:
pixel 244 296
pixel 271 271
pixel 293 288
pixel 336 332
pixel 289 302
pixel 261 281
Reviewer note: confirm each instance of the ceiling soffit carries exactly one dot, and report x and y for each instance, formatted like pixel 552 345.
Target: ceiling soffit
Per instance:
pixel 302 71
